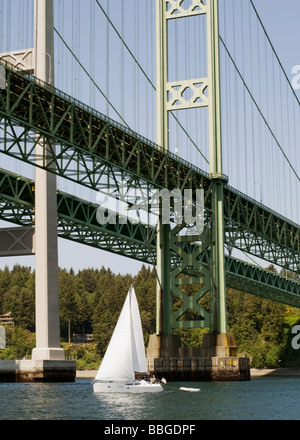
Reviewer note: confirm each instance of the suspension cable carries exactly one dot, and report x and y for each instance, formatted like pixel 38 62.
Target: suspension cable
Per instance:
pixel 147 77
pixel 95 84
pixel 258 108
pixel 274 51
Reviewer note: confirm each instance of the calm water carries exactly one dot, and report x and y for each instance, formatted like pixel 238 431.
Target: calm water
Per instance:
pixel 259 399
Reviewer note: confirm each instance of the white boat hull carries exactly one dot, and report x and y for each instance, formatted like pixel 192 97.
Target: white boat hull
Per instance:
pixel 121 387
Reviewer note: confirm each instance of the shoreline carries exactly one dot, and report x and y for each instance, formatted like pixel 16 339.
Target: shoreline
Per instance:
pixel 274 372
pixel 86 374
pixel 90 374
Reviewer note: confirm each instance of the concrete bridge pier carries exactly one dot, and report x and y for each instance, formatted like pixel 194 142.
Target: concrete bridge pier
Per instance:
pixel 48 358
pixel 37 371
pixel 216 360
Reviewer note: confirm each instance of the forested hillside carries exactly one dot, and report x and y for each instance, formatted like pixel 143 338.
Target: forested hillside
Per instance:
pixel 90 302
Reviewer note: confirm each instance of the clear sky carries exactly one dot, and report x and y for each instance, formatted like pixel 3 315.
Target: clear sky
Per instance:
pixel 281 20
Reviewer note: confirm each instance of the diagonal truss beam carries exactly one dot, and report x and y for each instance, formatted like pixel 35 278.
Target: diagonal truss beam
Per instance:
pixel 91 149
pixel 77 222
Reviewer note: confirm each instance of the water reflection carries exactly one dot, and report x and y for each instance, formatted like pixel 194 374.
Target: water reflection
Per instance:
pixel 122 406
pixel 259 399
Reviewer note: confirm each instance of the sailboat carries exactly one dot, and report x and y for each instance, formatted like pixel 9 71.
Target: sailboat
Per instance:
pixel 125 355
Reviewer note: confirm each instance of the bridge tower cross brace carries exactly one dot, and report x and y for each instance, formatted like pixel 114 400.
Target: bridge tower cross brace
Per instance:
pixel 215 277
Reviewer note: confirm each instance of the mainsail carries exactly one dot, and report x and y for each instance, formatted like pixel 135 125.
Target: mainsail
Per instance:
pixel 126 352
pixel 138 345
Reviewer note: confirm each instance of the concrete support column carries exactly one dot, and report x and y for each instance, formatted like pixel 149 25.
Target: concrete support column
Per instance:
pixel 47 292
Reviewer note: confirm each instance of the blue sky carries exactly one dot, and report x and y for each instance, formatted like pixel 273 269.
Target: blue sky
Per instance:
pixel 281 20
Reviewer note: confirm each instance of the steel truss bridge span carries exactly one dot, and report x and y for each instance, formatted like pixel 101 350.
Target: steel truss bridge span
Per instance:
pixel 86 147
pixel 77 222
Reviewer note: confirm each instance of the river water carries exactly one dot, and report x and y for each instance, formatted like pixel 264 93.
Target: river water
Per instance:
pixel 262 398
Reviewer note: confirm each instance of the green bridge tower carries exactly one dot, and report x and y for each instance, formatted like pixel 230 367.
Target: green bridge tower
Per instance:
pixel 190 281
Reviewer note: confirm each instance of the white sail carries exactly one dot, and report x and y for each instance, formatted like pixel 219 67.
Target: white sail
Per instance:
pixel 126 352
pixel 117 362
pixel 138 347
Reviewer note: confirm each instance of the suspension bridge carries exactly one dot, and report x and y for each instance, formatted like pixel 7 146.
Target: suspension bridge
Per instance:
pixel 166 95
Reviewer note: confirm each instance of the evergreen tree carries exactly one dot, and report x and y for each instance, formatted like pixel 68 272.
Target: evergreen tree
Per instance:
pixel 68 301
pixel 91 301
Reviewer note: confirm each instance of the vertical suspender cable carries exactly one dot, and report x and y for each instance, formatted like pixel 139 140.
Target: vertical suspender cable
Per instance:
pixel 149 113
pixel 107 61
pixel 252 108
pixel 79 48
pixel 136 72
pixel 226 89
pixel 144 73
pixel 1 27
pixel 122 57
pixel 8 46
pixel 244 101
pixel 61 15
pixel 92 52
pixel 72 59
pixel 259 145
pixel 235 90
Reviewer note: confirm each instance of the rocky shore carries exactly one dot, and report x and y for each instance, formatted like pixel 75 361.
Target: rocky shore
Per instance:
pixel 90 374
